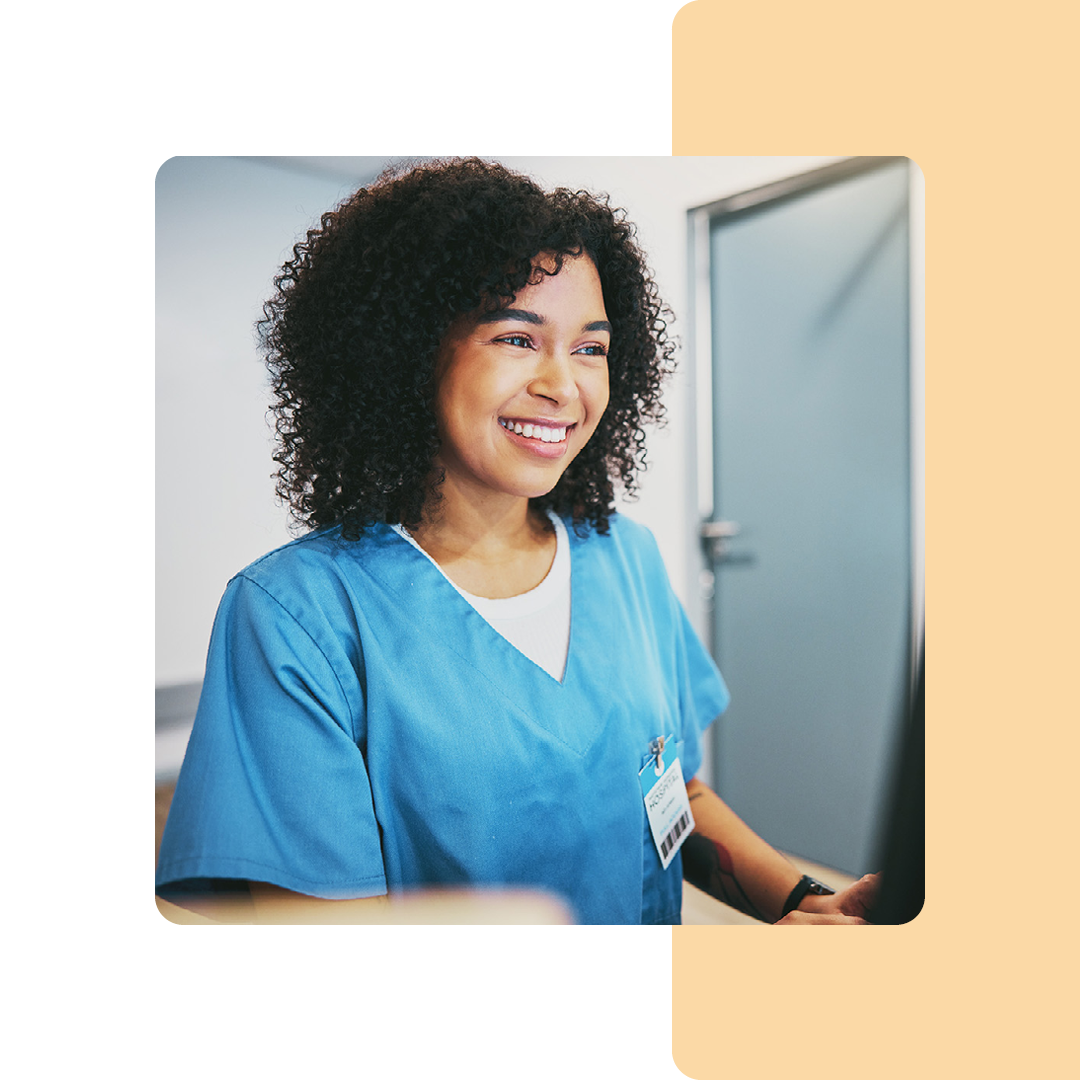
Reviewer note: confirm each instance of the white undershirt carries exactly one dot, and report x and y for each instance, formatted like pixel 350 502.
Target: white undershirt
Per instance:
pixel 537 622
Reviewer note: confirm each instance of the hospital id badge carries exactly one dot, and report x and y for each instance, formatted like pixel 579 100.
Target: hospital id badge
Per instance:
pixel 666 802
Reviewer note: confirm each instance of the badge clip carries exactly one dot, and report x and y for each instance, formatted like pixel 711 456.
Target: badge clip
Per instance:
pixel 656 748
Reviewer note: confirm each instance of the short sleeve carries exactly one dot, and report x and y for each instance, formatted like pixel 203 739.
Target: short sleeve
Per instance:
pixel 703 695
pixel 274 786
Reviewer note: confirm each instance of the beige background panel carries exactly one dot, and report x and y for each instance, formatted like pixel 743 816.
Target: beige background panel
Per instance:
pixel 981 99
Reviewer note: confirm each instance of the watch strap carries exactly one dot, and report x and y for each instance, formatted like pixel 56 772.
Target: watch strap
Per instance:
pixel 806 885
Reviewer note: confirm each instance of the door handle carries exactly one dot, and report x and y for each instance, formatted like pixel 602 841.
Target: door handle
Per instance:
pixel 715 535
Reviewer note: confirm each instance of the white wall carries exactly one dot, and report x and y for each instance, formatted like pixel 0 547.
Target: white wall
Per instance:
pixel 224 226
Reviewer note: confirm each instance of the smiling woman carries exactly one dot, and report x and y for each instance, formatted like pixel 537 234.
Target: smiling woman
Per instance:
pixel 469 671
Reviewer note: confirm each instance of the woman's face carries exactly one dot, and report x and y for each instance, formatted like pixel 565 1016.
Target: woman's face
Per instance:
pixel 522 389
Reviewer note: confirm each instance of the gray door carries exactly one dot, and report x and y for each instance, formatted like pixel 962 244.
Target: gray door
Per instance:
pixel 810 326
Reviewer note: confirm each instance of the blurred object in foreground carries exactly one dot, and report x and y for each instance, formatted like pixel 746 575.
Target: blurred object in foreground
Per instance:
pixel 459 907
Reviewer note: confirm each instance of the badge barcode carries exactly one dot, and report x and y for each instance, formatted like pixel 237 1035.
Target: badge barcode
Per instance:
pixel 674 834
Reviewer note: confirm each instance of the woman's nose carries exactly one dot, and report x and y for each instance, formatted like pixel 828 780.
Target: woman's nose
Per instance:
pixel 554 377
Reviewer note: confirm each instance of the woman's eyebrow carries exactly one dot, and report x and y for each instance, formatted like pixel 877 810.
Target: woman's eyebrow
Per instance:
pixel 531 317
pixel 504 314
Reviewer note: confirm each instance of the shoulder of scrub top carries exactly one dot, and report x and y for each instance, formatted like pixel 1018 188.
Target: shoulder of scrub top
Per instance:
pixel 317 565
pixel 318 547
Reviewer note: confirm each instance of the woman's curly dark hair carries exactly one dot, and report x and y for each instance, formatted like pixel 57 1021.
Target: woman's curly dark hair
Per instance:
pixel 352 332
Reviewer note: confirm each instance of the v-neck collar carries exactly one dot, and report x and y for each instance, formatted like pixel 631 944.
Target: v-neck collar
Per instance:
pixel 442 596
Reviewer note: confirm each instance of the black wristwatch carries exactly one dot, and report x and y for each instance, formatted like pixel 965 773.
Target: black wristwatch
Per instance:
pixel 806 885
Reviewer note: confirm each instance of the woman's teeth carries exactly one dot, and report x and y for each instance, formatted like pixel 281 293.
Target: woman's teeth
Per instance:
pixel 535 431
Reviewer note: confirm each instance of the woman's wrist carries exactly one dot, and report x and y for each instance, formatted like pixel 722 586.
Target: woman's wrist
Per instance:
pixel 818 905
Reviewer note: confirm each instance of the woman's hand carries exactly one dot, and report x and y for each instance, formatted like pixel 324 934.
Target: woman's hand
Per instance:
pixel 849 907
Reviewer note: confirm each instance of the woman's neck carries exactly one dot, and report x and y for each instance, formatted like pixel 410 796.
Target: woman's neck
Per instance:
pixel 489 551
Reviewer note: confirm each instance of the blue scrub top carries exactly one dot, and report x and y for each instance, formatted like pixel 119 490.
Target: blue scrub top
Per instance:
pixel 362 729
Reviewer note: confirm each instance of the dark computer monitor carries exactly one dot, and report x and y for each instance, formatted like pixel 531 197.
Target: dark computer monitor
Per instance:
pixel 903 848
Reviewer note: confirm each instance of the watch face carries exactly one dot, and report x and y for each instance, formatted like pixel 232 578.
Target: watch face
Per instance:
pixel 820 889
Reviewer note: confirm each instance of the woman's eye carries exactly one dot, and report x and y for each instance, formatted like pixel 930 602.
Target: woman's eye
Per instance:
pixel 593 350
pixel 521 341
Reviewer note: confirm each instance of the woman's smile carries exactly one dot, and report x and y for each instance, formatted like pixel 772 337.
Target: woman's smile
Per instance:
pixel 538 436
